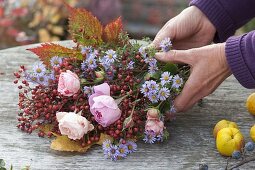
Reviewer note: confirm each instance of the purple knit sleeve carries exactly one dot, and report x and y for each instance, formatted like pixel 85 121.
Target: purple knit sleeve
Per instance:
pixel 226 15
pixel 240 52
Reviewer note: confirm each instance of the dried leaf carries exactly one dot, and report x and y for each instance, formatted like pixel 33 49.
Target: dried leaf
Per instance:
pixel 46 128
pixel 84 27
pixel 48 50
pixel 112 31
pixel 63 143
pixel 103 137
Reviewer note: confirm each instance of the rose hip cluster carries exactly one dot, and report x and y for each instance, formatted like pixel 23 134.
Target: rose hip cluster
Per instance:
pixel 39 104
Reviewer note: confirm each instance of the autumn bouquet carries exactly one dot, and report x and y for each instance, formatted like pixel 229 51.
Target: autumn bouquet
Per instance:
pixel 106 90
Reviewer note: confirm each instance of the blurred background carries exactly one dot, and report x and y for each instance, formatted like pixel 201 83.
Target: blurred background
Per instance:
pixel 32 21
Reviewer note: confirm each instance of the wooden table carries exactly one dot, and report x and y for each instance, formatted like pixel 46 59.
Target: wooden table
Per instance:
pixel 191 141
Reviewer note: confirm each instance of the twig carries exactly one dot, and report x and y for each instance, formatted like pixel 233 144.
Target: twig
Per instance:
pixel 246 160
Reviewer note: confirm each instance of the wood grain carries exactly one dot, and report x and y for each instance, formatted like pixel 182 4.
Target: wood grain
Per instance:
pixel 191 141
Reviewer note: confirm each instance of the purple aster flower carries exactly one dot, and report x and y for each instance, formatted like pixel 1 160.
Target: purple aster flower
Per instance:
pixel 43 80
pixel 177 81
pixel 83 65
pixel 166 44
pixel 146 88
pixel 110 56
pixel 152 66
pixel 123 150
pixel 56 61
pixel 105 63
pixel 91 61
pixel 153 86
pixel 149 137
pixel 160 137
pixel 130 65
pixel 165 78
pixel 107 144
pixel 142 52
pixel 87 90
pixel 39 69
pixel 51 76
pixel 112 153
pixel 86 50
pixel 163 93
pixel 131 146
pixel 152 69
pixel 31 77
pixel 153 97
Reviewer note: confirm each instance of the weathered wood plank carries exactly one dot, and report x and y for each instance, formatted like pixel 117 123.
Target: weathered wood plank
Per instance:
pixel 191 141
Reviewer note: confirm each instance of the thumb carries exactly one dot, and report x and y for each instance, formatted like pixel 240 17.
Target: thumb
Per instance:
pixel 174 56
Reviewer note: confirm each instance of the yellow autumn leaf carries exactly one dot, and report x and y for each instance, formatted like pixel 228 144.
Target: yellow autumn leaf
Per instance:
pixel 46 128
pixel 63 143
pixel 103 137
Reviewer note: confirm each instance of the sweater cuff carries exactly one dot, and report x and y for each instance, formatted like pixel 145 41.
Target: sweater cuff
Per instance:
pixel 235 52
pixel 219 17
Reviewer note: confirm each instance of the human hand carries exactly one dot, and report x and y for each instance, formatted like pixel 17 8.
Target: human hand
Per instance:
pixel 209 69
pixel 191 28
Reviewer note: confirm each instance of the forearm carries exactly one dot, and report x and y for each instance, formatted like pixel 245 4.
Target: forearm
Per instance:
pixel 240 53
pixel 226 15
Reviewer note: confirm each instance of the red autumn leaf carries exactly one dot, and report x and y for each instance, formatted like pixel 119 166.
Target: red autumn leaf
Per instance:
pixel 48 50
pixel 112 31
pixel 84 27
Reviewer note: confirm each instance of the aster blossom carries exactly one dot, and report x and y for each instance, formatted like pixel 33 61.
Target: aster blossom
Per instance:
pixel 110 56
pixel 165 78
pixel 56 61
pixel 163 93
pixel 165 44
pixel 177 81
pixel 39 69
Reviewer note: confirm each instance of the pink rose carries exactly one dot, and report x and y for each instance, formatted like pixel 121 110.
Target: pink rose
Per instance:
pixel 153 114
pixel 103 106
pixel 156 126
pixel 73 125
pixel 68 83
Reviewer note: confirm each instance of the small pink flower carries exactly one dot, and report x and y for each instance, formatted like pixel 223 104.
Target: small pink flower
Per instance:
pixel 73 125
pixel 103 106
pixel 68 83
pixel 156 126
pixel 153 114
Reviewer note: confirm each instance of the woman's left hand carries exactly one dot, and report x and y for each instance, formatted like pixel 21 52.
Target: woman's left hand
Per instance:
pixel 209 69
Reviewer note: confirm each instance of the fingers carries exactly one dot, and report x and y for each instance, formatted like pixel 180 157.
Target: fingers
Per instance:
pixel 167 30
pixel 187 98
pixel 175 56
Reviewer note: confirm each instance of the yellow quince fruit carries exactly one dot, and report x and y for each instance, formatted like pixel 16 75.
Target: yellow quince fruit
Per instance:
pixel 250 104
pixel 229 140
pixel 252 133
pixel 223 124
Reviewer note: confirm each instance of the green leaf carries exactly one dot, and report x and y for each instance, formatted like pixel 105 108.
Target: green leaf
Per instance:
pixel 26 168
pixel 3 168
pixel 2 163
pixel 166 134
pixel 170 67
